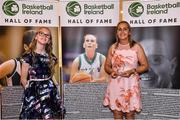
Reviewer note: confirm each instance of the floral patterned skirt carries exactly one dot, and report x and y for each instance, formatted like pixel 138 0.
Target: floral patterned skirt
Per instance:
pixel 123 94
pixel 41 100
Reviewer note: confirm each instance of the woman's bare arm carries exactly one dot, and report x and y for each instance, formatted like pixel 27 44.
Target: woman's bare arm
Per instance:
pixel 6 68
pixel 24 73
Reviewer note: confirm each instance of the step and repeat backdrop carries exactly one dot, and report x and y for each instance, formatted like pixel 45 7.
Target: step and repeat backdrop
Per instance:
pixel 83 29
pixel 155 26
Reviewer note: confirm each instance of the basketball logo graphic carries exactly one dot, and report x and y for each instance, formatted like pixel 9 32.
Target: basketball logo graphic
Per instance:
pixel 10 8
pixel 73 8
pixel 136 9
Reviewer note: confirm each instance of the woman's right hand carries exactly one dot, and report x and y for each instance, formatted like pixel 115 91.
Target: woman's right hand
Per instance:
pixel 114 74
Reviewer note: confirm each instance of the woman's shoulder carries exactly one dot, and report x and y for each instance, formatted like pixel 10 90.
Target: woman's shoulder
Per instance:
pixel 112 47
pixel 138 46
pixel 26 57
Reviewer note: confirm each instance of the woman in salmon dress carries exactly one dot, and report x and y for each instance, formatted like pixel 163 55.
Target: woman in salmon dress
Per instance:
pixel 125 61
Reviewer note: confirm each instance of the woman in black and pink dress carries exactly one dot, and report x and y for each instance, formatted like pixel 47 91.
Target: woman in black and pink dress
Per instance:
pixel 41 99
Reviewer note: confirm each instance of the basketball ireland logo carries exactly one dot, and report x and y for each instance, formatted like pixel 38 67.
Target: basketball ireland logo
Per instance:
pixel 10 8
pixel 73 8
pixel 136 9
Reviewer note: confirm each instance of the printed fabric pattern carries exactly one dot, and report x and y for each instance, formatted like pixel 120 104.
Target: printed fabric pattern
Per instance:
pixel 41 98
pixel 123 93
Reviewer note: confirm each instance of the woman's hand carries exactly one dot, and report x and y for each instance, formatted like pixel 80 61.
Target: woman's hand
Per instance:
pixel 128 73
pixel 114 74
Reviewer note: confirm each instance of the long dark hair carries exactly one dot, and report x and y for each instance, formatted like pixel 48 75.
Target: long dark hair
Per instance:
pixel 131 42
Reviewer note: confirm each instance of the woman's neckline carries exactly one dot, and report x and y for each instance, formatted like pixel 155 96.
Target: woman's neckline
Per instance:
pixel 123 46
pixel 42 53
pixel 126 44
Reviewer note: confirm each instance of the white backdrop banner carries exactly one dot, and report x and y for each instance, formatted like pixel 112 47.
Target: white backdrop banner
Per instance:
pixel 31 13
pixel 89 13
pixel 152 13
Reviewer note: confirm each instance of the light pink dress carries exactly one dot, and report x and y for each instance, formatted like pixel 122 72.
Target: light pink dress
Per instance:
pixel 123 93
